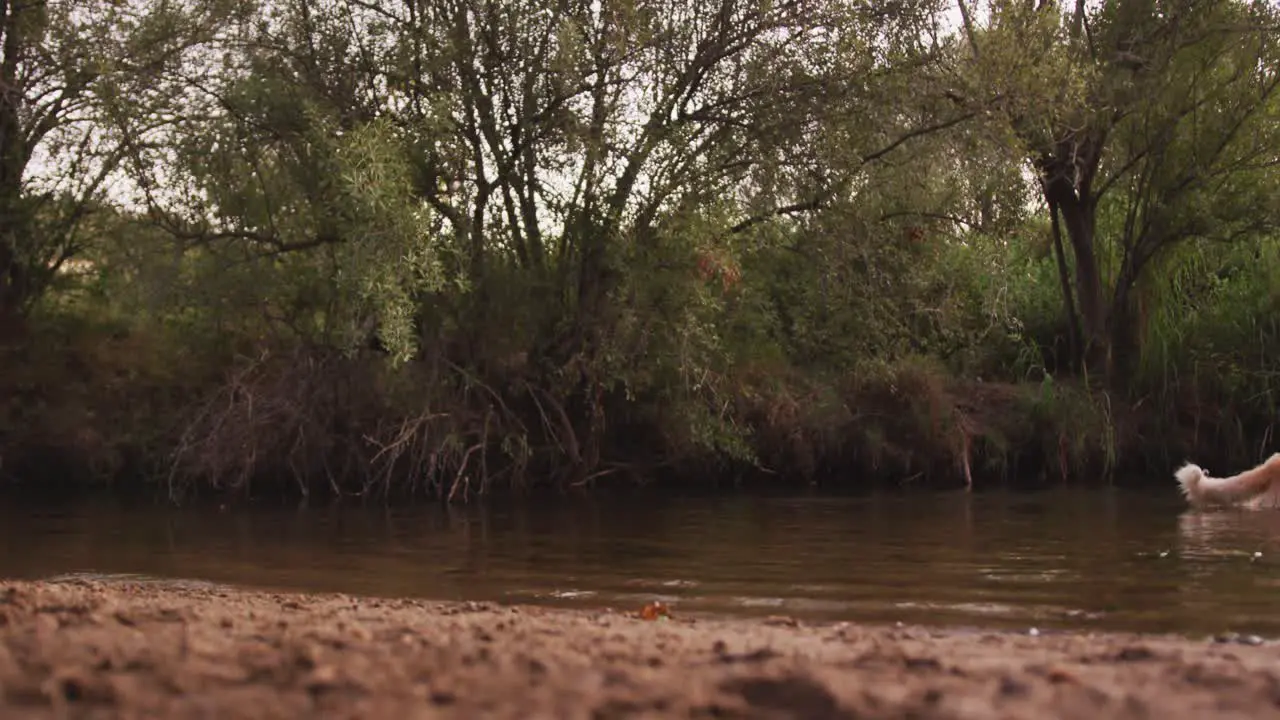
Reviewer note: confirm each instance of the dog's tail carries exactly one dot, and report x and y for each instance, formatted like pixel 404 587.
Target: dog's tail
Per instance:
pixel 1189 477
pixel 1200 487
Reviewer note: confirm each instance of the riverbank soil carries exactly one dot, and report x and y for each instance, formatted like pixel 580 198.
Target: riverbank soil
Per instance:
pixel 85 649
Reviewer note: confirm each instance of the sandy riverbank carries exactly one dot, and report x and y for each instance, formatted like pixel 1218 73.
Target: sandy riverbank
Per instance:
pixel 91 650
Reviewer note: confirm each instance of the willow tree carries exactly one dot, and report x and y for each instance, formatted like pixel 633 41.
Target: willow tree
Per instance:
pixel 1162 115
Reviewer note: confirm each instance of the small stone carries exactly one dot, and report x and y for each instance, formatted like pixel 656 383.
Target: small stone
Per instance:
pixel 1012 688
pixel 322 678
pixel 1134 654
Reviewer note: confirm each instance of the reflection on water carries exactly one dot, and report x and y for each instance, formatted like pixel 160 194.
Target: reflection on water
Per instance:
pixel 1066 558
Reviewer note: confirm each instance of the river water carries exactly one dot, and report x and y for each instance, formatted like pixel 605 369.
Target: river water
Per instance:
pixel 1067 558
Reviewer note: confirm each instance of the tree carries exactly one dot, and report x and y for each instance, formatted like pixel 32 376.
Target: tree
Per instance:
pixel 1161 114
pixel 566 153
pixel 66 66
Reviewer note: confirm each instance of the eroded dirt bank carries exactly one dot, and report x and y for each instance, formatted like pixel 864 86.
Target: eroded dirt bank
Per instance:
pixel 86 649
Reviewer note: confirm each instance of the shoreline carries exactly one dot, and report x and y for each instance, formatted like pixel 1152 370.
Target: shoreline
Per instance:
pixel 120 649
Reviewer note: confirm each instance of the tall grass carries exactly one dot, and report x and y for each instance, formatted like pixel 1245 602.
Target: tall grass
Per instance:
pixel 1210 361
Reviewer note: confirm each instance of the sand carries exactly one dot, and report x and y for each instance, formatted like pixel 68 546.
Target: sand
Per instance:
pixel 86 649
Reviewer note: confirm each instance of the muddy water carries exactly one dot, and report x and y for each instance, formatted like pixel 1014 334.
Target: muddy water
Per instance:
pixel 1061 559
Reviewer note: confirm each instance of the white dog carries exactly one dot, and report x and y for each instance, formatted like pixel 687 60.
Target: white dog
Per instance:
pixel 1257 488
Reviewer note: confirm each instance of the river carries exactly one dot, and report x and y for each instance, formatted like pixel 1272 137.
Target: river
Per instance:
pixel 1066 558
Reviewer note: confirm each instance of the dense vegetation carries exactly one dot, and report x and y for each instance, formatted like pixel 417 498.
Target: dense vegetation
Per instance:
pixel 445 246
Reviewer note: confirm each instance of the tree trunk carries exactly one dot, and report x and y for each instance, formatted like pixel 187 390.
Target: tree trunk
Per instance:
pixel 1127 320
pixel 1079 216
pixel 16 287
pixel 1068 296
pixel 20 25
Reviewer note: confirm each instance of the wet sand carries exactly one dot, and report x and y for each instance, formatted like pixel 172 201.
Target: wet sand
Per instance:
pixel 85 649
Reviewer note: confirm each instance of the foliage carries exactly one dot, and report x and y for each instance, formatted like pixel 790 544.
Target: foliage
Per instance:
pixel 1148 125
pixel 84 87
pixel 378 249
